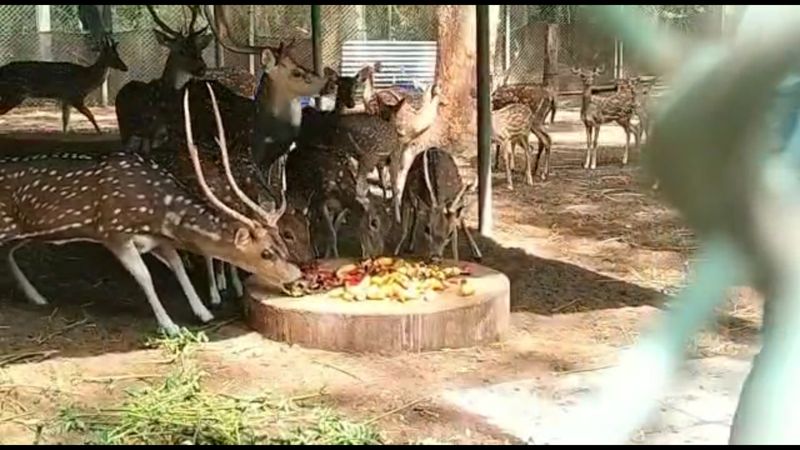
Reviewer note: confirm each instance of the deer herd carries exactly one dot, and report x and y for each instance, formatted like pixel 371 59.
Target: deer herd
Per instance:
pixel 218 164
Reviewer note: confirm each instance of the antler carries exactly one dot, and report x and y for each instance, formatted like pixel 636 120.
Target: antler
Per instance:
pixel 199 170
pixel 271 219
pixel 219 26
pixel 428 176
pixel 161 24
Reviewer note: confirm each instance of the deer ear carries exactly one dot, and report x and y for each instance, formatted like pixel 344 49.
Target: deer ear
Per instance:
pixel 575 70
pixel 242 238
pixel 268 60
pixel 600 69
pixel 163 39
pixel 203 40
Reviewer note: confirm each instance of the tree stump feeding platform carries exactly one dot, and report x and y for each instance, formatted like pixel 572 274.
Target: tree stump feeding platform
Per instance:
pixel 449 320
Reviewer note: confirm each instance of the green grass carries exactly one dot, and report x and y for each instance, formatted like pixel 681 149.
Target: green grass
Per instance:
pixel 179 411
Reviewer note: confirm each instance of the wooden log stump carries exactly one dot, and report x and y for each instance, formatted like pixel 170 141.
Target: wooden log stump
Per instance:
pixel 383 326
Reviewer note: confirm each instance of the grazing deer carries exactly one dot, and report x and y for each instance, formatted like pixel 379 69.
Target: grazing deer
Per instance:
pixel 132 207
pixel 67 83
pixel 435 183
pixel 293 227
pixel 139 105
pixel 596 111
pixel 511 126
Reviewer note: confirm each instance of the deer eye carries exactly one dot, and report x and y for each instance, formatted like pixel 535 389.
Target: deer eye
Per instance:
pixel 297 73
pixel 267 255
pixel 287 236
pixel 373 224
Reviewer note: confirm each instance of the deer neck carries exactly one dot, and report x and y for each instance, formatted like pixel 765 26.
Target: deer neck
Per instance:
pixel 275 103
pixel 586 97
pixel 99 70
pixel 173 75
pixel 369 90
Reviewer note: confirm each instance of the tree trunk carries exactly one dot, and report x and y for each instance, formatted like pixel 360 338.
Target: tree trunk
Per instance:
pixel 455 71
pixel 550 72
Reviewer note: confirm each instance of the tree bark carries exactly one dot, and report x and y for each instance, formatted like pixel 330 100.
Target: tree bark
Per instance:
pixel 550 72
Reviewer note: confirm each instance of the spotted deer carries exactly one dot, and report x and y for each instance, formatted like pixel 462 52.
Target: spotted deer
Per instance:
pixel 132 207
pixel 293 223
pixel 238 80
pixel 139 105
pixel 511 126
pixel 596 111
pixel 64 82
pixel 435 184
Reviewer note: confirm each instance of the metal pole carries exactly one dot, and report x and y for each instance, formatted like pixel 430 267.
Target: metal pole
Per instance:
pixel 316 42
pixel 507 38
pixel 484 122
pixel 251 37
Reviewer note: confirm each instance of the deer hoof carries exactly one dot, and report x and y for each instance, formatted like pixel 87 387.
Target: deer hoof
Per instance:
pixel 170 328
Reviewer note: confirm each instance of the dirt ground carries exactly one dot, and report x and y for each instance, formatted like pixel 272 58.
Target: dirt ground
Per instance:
pixel 590 257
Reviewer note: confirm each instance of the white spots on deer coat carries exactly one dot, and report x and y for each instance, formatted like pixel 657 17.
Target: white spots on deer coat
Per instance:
pixel 168 200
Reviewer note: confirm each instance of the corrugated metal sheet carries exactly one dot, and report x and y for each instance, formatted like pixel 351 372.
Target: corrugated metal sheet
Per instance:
pixel 402 61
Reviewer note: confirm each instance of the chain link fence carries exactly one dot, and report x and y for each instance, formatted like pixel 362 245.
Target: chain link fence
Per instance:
pixel 530 39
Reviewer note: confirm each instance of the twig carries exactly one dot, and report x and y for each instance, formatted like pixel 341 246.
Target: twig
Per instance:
pixel 8 387
pixel 8 359
pixel 300 398
pixel 217 326
pixel 590 369
pixel 564 306
pixel 396 410
pixel 14 417
pixel 41 340
pixel 331 366
pixel 120 377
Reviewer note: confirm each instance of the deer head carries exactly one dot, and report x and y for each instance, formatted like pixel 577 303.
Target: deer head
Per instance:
pixel 286 76
pixel 444 217
pixel 253 245
pixel 410 122
pixel 588 76
pixel 185 47
pixel 109 55
pixel 373 227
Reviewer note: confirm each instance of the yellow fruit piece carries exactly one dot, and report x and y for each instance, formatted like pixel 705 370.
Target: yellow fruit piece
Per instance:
pixel 337 292
pixel 466 288
pixel 385 261
pixel 375 293
pixel 348 296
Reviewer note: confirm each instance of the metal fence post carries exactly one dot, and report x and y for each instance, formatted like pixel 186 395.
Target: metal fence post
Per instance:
pixel 316 42
pixel 484 121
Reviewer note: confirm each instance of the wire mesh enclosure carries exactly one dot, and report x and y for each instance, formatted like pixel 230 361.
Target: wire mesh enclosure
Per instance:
pixel 530 40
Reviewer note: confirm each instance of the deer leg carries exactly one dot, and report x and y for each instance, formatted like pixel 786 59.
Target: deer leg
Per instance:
pixel 169 256
pixel 588 146
pixel 236 281
pixel 382 181
pixel 222 280
pixel 10 102
pixel 332 249
pixel 65 113
pixel 78 104
pixel 403 230
pixel 27 287
pixel 412 240
pixel 544 145
pixel 508 149
pixel 628 132
pixel 526 148
pixel 511 156
pixel 594 147
pixel 454 244
pixel 213 289
pixel 496 165
pixel 553 112
pixel 476 252
pixel 129 256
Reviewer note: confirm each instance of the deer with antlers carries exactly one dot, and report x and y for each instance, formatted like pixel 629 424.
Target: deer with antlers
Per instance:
pixel 133 207
pixel 435 184
pixel 138 103
pixel 66 83
pixel 619 107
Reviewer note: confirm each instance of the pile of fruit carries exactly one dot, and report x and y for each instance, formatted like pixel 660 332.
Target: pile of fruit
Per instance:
pixel 382 279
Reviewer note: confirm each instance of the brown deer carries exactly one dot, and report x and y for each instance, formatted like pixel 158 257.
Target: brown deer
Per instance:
pixel 596 111
pixel 138 104
pixel 435 183
pixel 511 126
pixel 64 82
pixel 293 225
pixel 132 206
